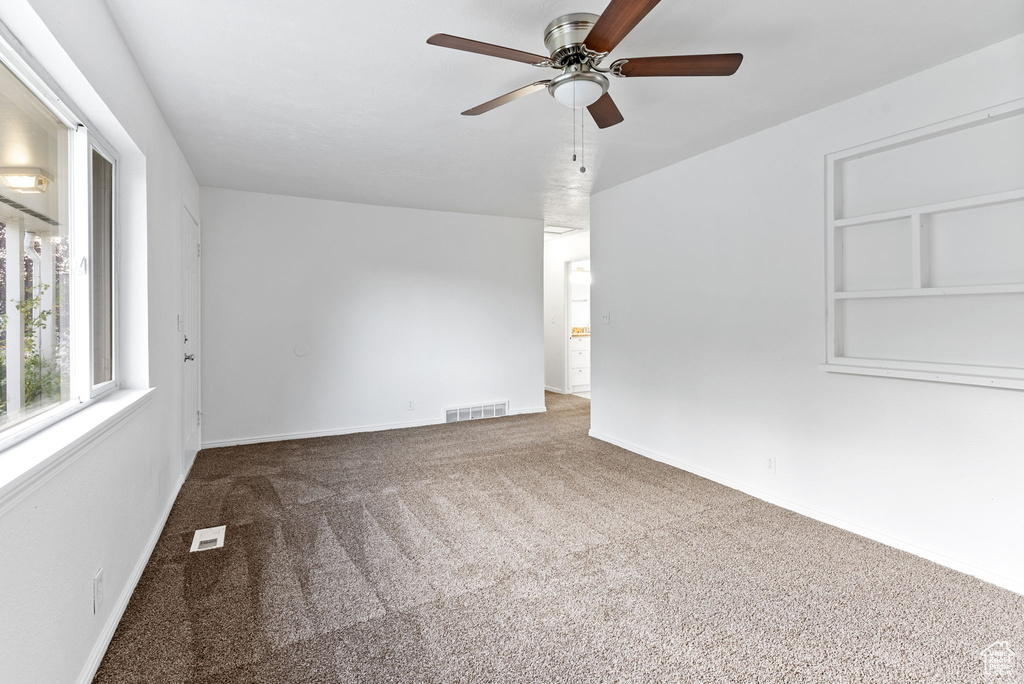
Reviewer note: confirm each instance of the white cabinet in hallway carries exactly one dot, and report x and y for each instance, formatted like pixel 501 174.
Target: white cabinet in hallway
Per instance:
pixel 579 363
pixel 578 296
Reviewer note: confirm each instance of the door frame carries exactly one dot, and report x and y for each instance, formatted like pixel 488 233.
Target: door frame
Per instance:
pixel 187 459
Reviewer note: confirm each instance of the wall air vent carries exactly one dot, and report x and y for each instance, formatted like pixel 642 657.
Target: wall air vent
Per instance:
pixel 475 412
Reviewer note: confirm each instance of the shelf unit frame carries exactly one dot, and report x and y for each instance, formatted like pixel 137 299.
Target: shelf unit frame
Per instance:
pixel 835 360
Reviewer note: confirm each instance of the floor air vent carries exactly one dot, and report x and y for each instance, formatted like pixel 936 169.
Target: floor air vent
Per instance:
pixel 455 415
pixel 208 538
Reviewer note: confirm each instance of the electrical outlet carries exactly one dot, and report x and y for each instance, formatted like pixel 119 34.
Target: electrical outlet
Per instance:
pixel 606 317
pixel 411 406
pixel 97 591
pixel 770 465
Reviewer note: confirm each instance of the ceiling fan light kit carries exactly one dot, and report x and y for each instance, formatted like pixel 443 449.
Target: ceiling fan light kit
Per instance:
pixel 577 44
pixel 579 88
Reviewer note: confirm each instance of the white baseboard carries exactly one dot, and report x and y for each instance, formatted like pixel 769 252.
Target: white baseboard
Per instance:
pixel 1013 584
pixel 341 431
pixel 556 390
pixel 536 409
pixel 103 642
pixel 318 433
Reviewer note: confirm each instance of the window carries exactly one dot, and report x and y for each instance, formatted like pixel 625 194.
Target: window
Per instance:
pixel 102 269
pixel 56 259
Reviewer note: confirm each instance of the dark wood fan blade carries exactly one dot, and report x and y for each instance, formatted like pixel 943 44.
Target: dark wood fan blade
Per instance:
pixel 617 20
pixel 605 112
pixel 506 98
pixel 467 45
pixel 682 65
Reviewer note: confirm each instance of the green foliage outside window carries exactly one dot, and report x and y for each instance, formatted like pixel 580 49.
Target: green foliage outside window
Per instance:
pixel 43 377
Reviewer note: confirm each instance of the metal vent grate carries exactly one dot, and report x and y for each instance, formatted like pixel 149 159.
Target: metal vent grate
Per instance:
pixel 476 412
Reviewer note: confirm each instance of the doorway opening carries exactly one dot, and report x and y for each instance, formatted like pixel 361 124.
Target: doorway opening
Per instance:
pixel 563 255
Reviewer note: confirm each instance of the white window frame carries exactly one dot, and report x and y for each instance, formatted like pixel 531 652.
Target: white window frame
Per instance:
pixel 835 360
pixel 81 142
pixel 98 390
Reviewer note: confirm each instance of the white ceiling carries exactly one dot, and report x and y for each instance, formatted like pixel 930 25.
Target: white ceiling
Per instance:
pixel 346 101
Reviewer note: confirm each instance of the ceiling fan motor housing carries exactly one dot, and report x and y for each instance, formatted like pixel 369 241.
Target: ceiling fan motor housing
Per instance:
pixel 565 35
pixel 577 86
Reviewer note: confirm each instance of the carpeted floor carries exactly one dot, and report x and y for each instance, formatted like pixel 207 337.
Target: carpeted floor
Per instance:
pixel 520 549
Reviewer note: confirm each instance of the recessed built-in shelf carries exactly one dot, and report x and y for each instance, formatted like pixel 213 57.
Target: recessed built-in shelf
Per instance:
pixel 938 208
pixel 1012 288
pixel 964 334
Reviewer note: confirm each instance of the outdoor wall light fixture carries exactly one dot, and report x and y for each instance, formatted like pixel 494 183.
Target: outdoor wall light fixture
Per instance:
pixel 26 181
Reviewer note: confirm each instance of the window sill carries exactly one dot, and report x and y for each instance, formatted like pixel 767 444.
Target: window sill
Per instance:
pixel 27 464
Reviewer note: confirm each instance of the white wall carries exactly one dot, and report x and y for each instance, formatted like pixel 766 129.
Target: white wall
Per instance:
pixel 570 247
pixel 579 298
pixel 104 509
pixel 394 305
pixel 713 272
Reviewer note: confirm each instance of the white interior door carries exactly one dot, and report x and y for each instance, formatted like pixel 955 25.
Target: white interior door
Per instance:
pixel 189 336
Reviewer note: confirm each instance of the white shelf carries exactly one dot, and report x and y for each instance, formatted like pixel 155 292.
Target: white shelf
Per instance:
pixel 956 378
pixel 1012 288
pixel 953 205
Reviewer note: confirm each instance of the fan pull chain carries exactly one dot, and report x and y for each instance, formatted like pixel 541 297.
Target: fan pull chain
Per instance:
pixel 574 122
pixel 583 146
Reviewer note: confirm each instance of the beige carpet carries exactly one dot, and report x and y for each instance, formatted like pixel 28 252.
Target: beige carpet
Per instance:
pixel 519 549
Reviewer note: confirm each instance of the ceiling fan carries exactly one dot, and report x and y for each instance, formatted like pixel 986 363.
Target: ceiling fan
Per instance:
pixel 577 44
